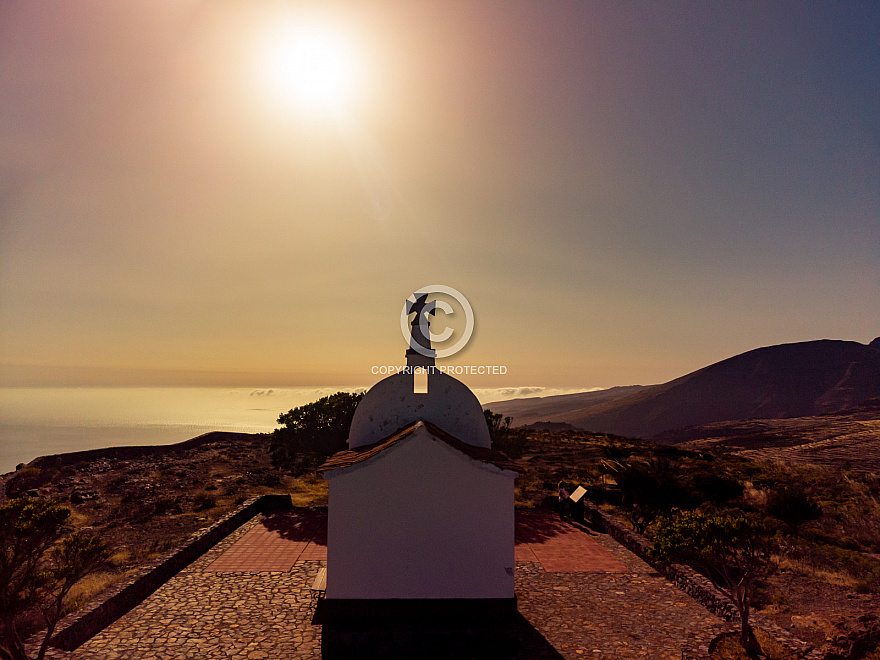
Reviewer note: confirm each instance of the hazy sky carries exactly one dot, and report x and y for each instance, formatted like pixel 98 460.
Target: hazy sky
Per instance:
pixel 624 191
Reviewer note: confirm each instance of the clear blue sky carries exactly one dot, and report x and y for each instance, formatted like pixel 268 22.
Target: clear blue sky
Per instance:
pixel 624 191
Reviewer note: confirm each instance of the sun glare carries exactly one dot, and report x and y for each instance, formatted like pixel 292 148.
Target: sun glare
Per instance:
pixel 310 67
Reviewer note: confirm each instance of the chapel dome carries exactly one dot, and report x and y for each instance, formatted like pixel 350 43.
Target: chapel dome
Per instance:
pixel 391 405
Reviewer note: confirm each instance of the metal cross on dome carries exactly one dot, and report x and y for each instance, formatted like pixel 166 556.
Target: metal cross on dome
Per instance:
pixel 420 332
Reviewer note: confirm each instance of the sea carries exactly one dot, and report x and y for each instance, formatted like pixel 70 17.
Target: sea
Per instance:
pixel 40 421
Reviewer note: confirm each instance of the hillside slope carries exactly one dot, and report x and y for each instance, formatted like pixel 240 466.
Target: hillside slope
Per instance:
pixel 849 439
pixel 542 408
pixel 788 380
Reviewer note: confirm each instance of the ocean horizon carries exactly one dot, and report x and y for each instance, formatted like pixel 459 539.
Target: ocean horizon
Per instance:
pixel 42 421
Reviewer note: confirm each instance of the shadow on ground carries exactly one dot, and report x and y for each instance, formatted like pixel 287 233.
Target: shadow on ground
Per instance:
pixel 299 525
pixel 516 638
pixel 538 526
pixel 306 524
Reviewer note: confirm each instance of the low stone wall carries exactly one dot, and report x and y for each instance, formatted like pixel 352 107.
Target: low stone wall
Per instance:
pixel 80 626
pixel 692 583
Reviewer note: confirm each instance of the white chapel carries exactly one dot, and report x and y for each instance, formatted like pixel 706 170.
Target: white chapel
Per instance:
pixel 420 505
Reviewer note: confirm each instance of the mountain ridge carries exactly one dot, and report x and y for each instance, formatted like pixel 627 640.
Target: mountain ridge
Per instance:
pixel 774 382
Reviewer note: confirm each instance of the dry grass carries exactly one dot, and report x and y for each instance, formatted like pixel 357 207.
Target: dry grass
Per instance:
pixel 91 586
pixel 754 496
pixel 727 647
pixel 78 520
pixel 308 490
pixel 151 550
pixel 120 557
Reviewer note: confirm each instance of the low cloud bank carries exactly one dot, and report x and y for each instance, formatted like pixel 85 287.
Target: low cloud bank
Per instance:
pixel 487 395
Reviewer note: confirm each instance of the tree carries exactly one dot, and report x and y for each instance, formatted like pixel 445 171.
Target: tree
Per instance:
pixel 313 431
pixel 648 489
pixel 732 551
pixel 511 441
pixel 38 568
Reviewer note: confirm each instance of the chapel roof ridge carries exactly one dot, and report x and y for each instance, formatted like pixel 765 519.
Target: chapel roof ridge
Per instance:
pixel 349 457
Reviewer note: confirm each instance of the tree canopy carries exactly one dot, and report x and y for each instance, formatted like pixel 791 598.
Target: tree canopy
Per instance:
pixel 313 431
pixel 732 551
pixel 38 568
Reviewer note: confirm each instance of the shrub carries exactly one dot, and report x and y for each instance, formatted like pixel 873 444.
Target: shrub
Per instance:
pixel 166 505
pixel 713 487
pixel 870 583
pixel 792 505
pixel 616 451
pixel 649 490
pixel 26 479
pixel 829 557
pixel 204 501
pixel 116 484
pixel 511 441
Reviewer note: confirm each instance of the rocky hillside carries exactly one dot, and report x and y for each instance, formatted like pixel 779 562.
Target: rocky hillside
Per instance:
pixel 143 500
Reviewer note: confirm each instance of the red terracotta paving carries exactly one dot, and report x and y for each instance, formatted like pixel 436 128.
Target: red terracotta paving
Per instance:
pixel 280 540
pixel 276 543
pixel 560 546
pixel 524 552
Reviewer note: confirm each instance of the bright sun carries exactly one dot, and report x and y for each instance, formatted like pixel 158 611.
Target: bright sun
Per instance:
pixel 310 67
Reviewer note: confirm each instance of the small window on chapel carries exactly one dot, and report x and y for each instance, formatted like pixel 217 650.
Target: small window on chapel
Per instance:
pixel 420 381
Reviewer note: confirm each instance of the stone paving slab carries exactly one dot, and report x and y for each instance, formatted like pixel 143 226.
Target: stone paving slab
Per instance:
pixel 208 614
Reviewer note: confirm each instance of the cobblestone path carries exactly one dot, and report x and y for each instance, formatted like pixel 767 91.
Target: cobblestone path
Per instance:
pixel 205 613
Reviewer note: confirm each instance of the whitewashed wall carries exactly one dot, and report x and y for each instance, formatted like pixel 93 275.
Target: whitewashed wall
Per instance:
pixel 420 520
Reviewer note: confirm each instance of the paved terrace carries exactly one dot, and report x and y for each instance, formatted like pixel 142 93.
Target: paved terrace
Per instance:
pixel 580 595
